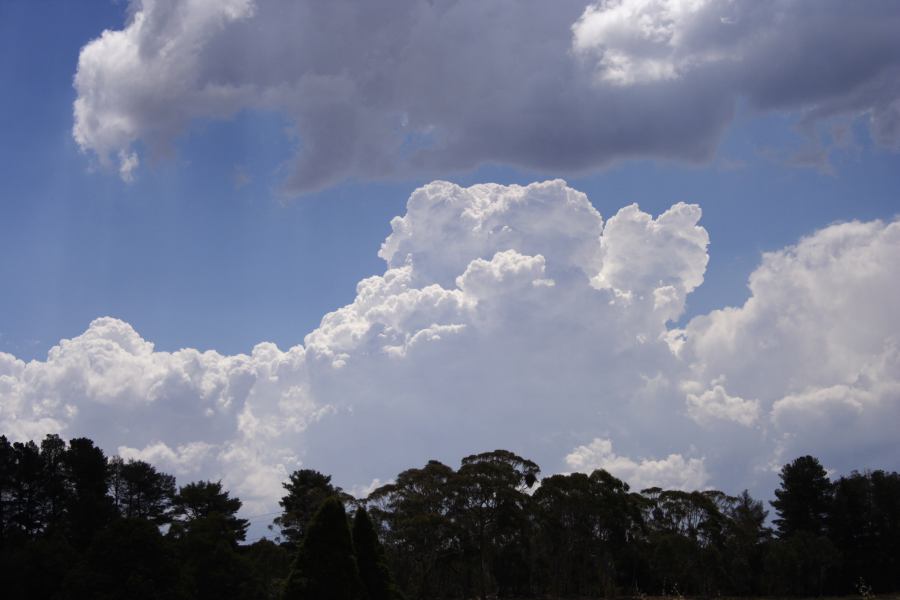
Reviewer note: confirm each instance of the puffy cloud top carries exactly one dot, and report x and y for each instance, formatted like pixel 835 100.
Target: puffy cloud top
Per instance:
pixel 515 317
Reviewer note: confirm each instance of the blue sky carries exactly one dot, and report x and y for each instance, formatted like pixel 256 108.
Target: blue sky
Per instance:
pixel 194 259
pixel 217 244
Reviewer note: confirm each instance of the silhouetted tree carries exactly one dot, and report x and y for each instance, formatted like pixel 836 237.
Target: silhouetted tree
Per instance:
pixel 567 513
pixel 306 490
pixel 89 506
pixel 129 559
pixel 747 536
pixel 493 509
pixel 802 501
pixel 74 525
pixel 864 525
pixel 373 569
pixel 7 487
pixel 205 504
pixel 140 491
pixel 207 531
pixel 417 513
pixel 325 567
pixel 54 482
pixel 271 565
pixel 25 497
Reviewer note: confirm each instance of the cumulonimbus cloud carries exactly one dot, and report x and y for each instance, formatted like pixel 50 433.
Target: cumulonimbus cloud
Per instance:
pixel 515 317
pixel 420 87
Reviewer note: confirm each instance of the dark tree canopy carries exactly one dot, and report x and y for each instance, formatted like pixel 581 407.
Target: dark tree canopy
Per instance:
pixel 206 504
pixel 140 491
pixel 306 490
pixel 75 525
pixel 325 567
pixel 802 501
pixel 89 505
pixel 129 559
pixel 373 569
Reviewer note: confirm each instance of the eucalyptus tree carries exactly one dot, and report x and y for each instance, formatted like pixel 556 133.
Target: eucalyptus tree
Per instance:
pixel 493 512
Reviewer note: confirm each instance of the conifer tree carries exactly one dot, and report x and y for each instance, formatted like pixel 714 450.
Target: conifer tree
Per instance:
pixel 373 568
pixel 325 567
pixel 803 500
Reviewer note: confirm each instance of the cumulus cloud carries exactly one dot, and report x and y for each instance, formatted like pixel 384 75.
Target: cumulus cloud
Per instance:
pixel 421 87
pixel 672 472
pixel 815 345
pixel 514 317
pixel 715 403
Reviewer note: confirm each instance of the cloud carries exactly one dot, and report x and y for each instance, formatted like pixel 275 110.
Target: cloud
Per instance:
pixel 715 404
pixel 128 164
pixel 672 472
pixel 515 317
pixel 422 88
pixel 815 345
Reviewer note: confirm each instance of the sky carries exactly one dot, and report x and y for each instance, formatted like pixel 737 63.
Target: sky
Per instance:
pixel 659 237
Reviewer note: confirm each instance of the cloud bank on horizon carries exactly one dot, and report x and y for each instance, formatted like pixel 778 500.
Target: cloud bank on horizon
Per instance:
pixel 415 87
pixel 515 317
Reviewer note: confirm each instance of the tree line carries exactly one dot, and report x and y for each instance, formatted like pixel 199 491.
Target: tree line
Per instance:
pixel 76 524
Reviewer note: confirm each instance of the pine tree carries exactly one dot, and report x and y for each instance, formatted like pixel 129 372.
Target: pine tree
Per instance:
pixel 373 568
pixel 803 499
pixel 325 567
pixel 306 490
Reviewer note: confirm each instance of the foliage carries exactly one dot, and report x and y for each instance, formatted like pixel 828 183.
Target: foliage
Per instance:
pixel 802 501
pixel 373 569
pixel 205 505
pixel 325 567
pixel 139 491
pixel 74 524
pixel 306 490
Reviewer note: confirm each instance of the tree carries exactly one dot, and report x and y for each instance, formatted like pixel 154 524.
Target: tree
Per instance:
pixel 886 521
pixel 802 501
pixel 686 538
pixel 205 503
pixel 306 490
pixel 417 513
pixel 25 497
pixel 373 570
pixel 140 491
pixel 325 567
pixel 271 565
pixel 89 507
pixel 207 531
pixel 566 516
pixel 864 525
pixel 7 487
pixel 747 535
pixel 493 510
pixel 128 559
pixel 54 483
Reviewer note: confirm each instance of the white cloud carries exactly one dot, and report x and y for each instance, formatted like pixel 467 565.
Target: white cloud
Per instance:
pixel 421 87
pixel 643 41
pixel 128 164
pixel 515 317
pixel 815 344
pixel 715 403
pixel 672 472
pixel 183 460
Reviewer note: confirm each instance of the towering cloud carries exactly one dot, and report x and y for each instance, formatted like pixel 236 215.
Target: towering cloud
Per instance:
pixel 421 87
pixel 515 317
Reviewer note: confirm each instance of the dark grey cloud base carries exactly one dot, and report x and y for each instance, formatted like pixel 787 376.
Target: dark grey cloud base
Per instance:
pixel 426 88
